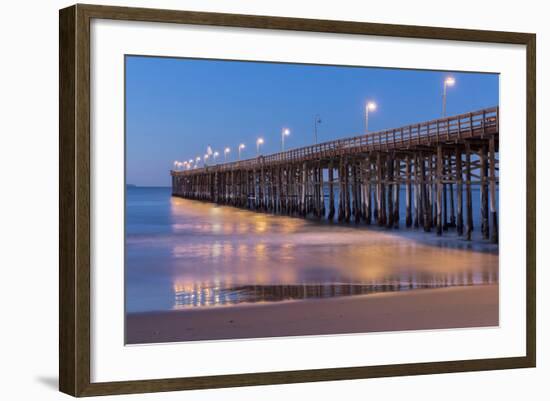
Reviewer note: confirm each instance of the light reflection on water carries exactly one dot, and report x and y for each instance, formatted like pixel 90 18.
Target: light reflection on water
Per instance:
pixel 190 253
pixel 197 295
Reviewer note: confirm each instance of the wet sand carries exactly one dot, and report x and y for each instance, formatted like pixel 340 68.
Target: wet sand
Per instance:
pixel 451 307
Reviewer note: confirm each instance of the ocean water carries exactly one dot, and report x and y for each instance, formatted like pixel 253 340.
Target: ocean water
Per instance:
pixel 188 254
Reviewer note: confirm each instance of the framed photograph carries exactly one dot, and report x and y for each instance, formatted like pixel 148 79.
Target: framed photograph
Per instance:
pixel 250 200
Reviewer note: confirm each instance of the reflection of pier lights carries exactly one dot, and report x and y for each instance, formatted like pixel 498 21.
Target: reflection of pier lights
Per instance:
pixel 205 294
pixel 200 294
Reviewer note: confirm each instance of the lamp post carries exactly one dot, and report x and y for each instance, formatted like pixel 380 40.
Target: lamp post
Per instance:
pixel 259 142
pixel 284 132
pixel 449 81
pixel 205 160
pixel 216 154
pixel 225 152
pixel 371 106
pixel 197 161
pixel 317 121
pixel 241 147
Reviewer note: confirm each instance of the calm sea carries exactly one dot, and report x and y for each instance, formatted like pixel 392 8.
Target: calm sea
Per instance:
pixel 188 254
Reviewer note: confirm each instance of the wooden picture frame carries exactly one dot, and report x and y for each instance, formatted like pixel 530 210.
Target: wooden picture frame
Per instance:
pixel 74 199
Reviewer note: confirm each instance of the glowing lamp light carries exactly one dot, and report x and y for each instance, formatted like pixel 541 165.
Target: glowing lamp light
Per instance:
pixel 241 147
pixel 225 152
pixel 259 141
pixel 370 106
pixel 449 81
pixel 284 132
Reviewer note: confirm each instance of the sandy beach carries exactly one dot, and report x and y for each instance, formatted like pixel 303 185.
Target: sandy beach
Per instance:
pixel 451 307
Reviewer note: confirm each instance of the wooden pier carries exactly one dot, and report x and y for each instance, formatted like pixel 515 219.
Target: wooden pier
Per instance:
pixel 437 162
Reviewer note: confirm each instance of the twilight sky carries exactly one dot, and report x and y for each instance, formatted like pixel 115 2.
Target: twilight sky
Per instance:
pixel 176 107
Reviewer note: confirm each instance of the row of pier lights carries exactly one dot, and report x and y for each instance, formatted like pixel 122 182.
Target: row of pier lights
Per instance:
pixel 369 106
pixel 194 163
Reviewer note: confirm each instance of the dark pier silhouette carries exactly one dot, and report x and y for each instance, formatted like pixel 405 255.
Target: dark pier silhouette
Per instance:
pixel 438 163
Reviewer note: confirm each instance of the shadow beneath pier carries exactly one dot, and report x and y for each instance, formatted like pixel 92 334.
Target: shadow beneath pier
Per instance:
pixel 449 239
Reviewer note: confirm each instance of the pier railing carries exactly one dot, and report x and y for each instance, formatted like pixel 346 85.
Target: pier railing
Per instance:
pixel 459 127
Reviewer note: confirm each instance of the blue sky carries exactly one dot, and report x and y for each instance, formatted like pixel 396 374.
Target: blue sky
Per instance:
pixel 176 107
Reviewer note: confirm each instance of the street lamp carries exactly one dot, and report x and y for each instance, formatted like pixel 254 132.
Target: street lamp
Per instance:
pixel 225 152
pixel 259 142
pixel 284 132
pixel 317 122
pixel 216 154
pixel 371 106
pixel 241 147
pixel 449 81
pixel 205 159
